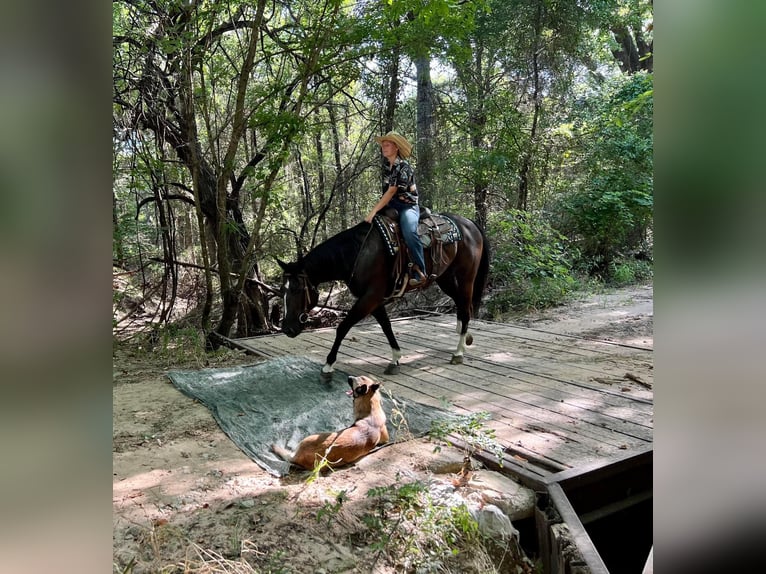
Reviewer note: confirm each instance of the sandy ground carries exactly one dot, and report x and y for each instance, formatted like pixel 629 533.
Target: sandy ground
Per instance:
pixel 186 499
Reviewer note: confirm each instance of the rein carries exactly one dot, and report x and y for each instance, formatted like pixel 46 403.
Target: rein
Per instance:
pixel 307 287
pixel 356 260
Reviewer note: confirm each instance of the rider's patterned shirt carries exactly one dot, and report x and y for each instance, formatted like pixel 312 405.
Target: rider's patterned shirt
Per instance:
pixel 402 176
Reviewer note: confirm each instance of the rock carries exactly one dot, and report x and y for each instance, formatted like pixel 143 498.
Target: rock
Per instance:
pixel 515 500
pixel 493 522
pixel 446 461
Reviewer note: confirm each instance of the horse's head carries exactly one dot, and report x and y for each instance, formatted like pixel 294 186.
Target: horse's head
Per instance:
pixel 299 296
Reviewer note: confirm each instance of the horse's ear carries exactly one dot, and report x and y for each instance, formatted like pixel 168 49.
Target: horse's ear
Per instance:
pixel 282 264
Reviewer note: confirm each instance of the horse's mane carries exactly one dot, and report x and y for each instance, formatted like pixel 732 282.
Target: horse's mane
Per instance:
pixel 334 259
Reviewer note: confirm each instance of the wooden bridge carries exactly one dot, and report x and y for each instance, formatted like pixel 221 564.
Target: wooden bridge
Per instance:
pixel 558 403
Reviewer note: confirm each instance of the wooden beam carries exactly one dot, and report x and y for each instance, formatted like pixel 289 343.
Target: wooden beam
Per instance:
pixel 579 535
pixel 597 471
pixel 616 506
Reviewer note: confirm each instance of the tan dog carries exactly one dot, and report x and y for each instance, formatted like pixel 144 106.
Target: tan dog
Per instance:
pixel 351 443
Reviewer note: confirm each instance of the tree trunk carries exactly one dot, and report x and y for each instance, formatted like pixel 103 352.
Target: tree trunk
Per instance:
pixel 321 186
pixel 526 160
pixel 425 131
pixel 392 73
pixel 119 250
pixel 340 176
pixel 634 53
pixel 477 89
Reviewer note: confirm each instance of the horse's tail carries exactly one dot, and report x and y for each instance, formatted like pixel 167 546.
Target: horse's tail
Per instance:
pixel 480 282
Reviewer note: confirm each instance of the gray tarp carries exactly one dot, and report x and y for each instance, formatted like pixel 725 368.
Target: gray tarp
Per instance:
pixel 282 400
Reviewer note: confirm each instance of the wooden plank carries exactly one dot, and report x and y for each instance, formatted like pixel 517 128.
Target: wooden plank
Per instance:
pixel 540 392
pixel 547 363
pixel 573 351
pixel 631 422
pixel 577 531
pixel 530 475
pixel 620 405
pixel 440 343
pixel 616 506
pixel 459 386
pixel 584 475
pixel 531 445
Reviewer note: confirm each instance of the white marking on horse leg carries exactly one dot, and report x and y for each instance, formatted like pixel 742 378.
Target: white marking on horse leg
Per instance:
pixel 328 368
pixel 460 347
pixel 459 326
pixel 396 354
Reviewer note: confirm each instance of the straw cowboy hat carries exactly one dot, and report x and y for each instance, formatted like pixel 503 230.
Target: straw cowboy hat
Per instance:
pixel 405 148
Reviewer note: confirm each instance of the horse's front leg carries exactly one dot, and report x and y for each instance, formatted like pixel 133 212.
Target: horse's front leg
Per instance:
pixel 358 311
pixel 381 316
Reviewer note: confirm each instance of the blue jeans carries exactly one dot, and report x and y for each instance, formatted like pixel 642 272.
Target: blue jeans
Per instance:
pixel 408 222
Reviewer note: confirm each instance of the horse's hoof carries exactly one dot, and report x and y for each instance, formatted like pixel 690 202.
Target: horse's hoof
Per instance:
pixel 325 377
pixel 469 339
pixel 456 360
pixel 391 369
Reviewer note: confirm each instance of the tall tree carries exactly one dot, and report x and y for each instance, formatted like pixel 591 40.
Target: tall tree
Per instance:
pixel 418 27
pixel 631 26
pixel 219 45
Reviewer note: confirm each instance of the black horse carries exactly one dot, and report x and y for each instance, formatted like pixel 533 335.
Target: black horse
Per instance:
pixel 359 257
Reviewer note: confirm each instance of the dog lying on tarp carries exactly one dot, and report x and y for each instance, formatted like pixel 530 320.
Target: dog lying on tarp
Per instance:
pixel 350 444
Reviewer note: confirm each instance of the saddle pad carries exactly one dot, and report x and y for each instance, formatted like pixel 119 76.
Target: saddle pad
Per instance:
pixel 433 227
pixel 389 231
pixel 437 227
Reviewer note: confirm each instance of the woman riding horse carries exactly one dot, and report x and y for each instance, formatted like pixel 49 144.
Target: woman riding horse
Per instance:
pixel 401 193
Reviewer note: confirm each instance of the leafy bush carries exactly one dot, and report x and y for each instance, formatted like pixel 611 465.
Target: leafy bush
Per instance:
pixel 629 271
pixel 607 210
pixel 531 263
pixel 418 532
pixel 472 430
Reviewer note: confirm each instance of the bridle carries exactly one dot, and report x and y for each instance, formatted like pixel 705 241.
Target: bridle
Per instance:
pixel 307 287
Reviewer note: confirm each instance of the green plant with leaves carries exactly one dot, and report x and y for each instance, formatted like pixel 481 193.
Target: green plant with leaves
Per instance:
pixel 608 210
pixel 397 419
pixel 417 532
pixel 330 510
pixel 322 465
pixel 471 430
pixel 629 272
pixel 173 344
pixel 531 263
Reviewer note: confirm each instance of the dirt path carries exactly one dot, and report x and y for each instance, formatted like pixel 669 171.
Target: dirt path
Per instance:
pixel 182 489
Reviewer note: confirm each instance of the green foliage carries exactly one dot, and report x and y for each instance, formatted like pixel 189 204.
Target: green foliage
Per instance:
pixel 321 465
pixel 305 167
pixel 531 263
pixel 471 430
pixel 608 211
pixel 175 344
pixel 330 509
pixel 624 272
pixel 416 531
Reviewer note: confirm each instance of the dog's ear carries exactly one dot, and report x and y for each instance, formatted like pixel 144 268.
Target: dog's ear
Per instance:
pixel 360 391
pixel 374 387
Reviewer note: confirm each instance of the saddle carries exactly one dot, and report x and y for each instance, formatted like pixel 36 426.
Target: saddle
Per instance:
pixel 434 231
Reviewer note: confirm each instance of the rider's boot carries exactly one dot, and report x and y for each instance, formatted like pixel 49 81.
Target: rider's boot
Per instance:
pixel 420 279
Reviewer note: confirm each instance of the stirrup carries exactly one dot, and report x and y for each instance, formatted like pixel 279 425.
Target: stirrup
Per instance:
pixel 418 281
